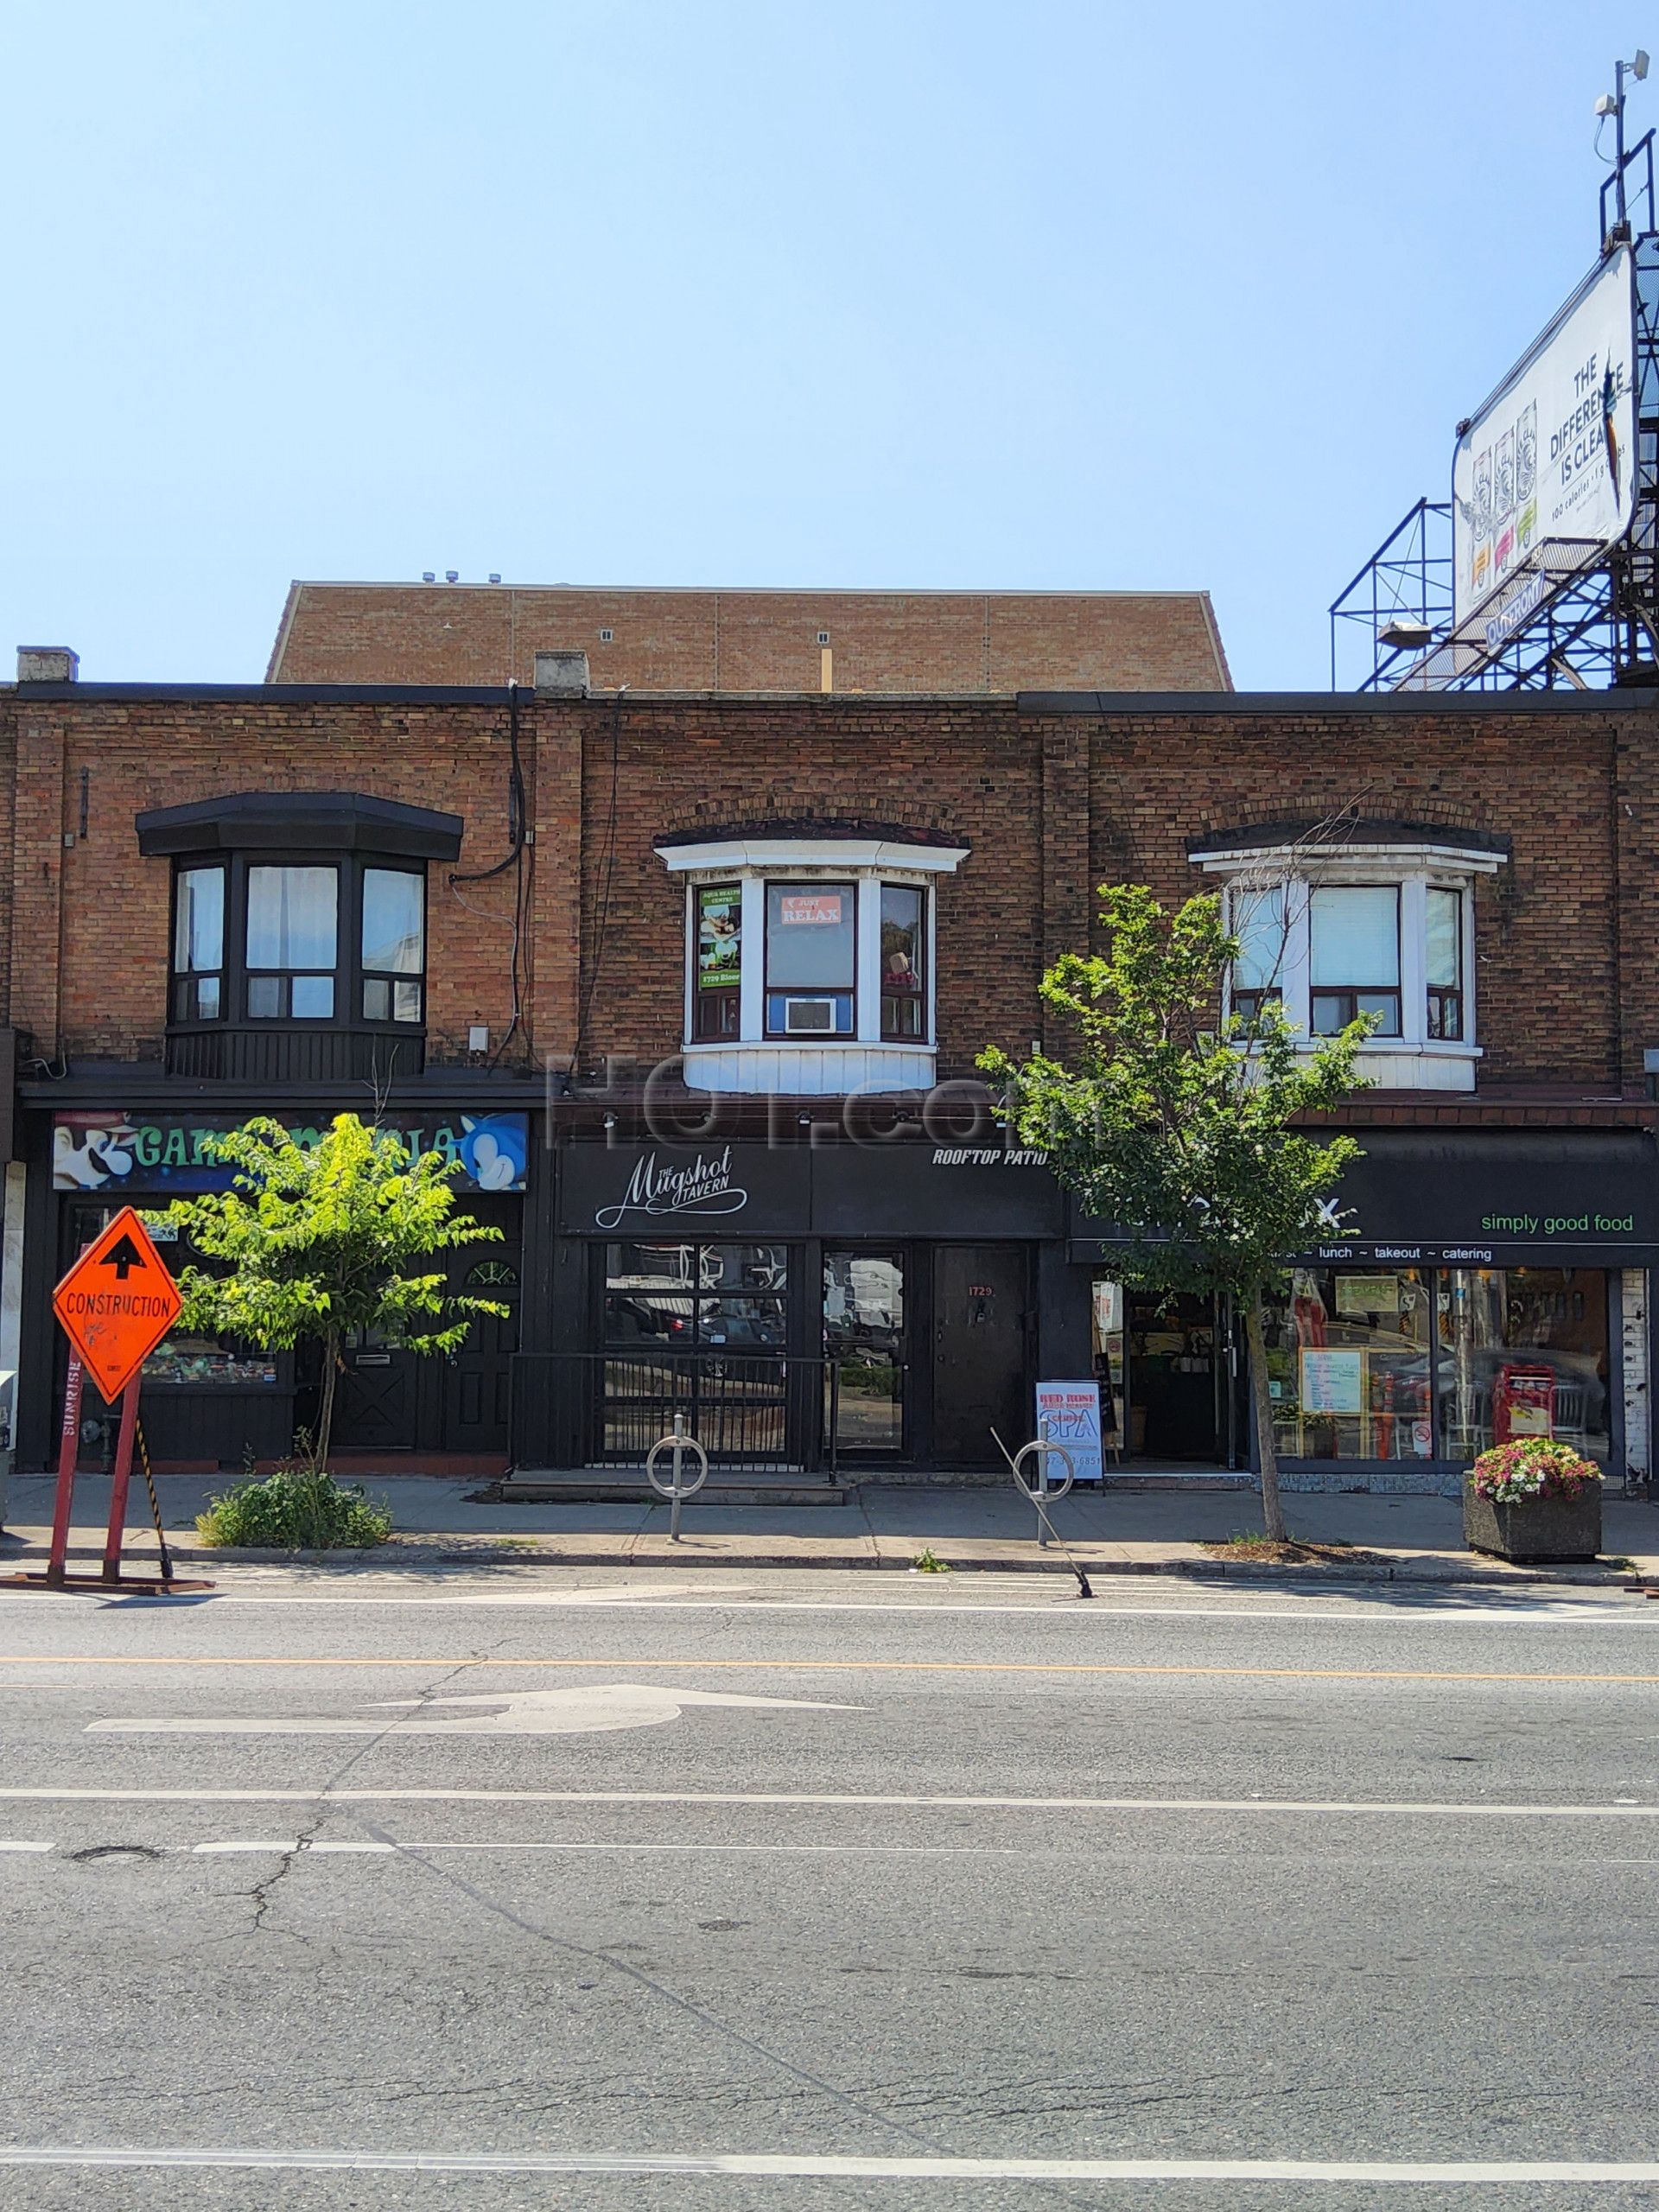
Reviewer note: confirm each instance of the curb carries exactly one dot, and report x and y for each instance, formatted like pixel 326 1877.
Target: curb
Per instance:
pixel 481 1553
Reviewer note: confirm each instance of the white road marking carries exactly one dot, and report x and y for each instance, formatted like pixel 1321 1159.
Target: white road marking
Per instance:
pixel 1517 2172
pixel 503 1846
pixel 1593 1610
pixel 577 1709
pixel 1298 1807
pixel 25 1846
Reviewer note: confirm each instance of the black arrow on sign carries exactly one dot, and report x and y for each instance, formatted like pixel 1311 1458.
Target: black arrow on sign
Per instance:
pixel 123 1256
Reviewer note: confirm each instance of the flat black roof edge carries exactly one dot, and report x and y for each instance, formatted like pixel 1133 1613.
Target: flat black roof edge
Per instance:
pixel 1025 702
pixel 1332 703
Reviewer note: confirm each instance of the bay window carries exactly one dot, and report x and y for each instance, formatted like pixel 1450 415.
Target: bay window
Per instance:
pixel 810 957
pixel 298 936
pixel 1378 923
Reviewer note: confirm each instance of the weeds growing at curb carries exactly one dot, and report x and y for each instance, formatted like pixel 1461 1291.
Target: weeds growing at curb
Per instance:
pixel 292 1510
pixel 926 1561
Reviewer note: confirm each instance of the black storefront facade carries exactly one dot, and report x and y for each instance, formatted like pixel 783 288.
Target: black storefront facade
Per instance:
pixel 878 1308
pixel 95 1143
pixel 856 1309
pixel 827 1306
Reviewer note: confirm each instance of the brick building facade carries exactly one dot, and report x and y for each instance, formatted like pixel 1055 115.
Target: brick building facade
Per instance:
pixel 741 642
pixel 642 949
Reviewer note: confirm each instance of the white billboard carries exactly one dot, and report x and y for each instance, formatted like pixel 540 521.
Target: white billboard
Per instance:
pixel 1545 472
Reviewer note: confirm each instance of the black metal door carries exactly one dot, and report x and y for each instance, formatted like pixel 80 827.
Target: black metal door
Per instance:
pixel 979 1367
pixel 475 1377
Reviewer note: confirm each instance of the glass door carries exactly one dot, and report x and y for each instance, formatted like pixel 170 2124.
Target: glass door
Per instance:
pixel 864 1350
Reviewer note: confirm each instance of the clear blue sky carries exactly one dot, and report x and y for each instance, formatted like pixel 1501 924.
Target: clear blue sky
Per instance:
pixel 874 293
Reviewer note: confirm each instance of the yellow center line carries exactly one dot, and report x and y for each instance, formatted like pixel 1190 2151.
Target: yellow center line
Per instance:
pixel 634 1664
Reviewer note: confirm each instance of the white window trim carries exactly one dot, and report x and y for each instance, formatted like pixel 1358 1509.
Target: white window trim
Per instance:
pixel 1413 1059
pixel 753 1062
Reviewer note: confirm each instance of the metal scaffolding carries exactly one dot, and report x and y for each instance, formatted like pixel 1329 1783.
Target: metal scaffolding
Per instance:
pixel 1581 615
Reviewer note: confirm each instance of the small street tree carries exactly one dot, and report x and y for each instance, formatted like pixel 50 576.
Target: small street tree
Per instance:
pixel 312 1243
pixel 1177 1126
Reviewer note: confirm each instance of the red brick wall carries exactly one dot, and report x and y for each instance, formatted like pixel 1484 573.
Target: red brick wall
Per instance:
pixel 749 641
pixel 1547 1006
pixel 1052 805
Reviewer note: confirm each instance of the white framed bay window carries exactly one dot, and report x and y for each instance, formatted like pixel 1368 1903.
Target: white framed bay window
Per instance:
pixel 1380 923
pixel 810 960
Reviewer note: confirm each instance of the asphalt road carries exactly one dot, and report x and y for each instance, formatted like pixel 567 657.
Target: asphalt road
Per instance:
pixel 558 1869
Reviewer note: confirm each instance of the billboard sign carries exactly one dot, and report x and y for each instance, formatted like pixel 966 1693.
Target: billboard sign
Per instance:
pixel 1550 460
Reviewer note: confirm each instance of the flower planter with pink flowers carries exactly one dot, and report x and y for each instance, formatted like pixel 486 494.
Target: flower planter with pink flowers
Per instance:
pixel 1531 1501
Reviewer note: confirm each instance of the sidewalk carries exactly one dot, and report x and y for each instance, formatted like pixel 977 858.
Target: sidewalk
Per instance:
pixel 883 1525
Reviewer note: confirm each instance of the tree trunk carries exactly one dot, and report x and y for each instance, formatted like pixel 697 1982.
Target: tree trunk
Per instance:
pixel 326 1405
pixel 1256 1340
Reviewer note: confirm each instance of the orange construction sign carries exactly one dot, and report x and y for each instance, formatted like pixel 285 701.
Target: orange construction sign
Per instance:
pixel 117 1303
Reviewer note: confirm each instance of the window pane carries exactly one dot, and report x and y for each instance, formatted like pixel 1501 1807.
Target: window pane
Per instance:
pixel 809 935
pixel 292 917
pixel 199 925
pixel 207 998
pixel 312 998
pixel 744 1266
pixel 265 998
pixel 1259 926
pixel 405 1002
pixel 1356 930
pixel 394 911
pixel 377 999
pixel 754 1323
pixel 1348 1365
pixel 1523 1352
pixel 1445 965
pixel 903 957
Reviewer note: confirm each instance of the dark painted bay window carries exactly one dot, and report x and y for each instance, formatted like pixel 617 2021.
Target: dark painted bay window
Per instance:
pixel 299 947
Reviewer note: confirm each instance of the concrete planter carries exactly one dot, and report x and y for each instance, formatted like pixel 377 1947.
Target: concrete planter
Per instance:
pixel 1538 1528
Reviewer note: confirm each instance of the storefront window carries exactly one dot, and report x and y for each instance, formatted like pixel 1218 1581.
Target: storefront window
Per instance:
pixel 1524 1352
pixel 206 1361
pixel 863 1343
pixel 1348 1365
pixel 1106 1337
pixel 716 982
pixel 904 954
pixel 686 1297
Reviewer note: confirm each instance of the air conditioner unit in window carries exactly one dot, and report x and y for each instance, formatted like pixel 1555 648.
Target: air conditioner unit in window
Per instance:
pixel 805 1017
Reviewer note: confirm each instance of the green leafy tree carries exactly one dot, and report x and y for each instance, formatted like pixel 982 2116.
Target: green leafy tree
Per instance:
pixel 1177 1126
pixel 313 1243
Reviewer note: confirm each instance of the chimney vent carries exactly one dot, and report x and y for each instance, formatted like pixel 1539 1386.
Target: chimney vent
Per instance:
pixel 562 674
pixel 46 665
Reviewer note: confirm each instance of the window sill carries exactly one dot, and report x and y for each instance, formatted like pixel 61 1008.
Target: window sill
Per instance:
pixel 809 1070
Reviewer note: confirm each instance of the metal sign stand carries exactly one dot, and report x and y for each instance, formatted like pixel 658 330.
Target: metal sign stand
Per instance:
pixel 676 1488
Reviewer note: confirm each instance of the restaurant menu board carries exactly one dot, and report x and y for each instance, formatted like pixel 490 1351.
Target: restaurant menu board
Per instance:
pixel 1332 1382
pixel 1073 1413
